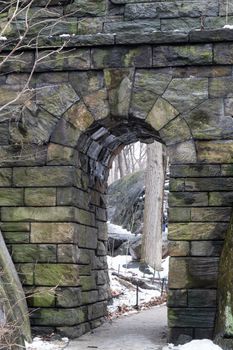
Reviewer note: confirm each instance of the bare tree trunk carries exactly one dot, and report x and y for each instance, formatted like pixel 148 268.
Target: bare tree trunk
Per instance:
pixel 152 230
pixel 121 165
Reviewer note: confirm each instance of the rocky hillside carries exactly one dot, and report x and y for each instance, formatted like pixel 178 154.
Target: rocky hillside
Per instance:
pixel 126 201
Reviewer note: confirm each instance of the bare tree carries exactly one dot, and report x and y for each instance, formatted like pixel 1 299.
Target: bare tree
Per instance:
pixel 153 210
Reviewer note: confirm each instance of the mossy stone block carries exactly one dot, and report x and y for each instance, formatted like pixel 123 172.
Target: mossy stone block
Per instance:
pixel 57 275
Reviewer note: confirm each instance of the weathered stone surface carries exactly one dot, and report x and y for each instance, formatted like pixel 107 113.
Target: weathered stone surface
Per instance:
pixel 37 214
pixel 206 248
pixel 208 121
pixel 220 198
pixel 182 153
pixel 68 253
pixel 221 87
pixel 223 53
pixel 43 176
pixel 202 298
pixel 98 104
pixel 176 131
pixel 132 26
pixel 215 151
pixel 197 231
pixel 161 113
pixel 191 317
pixel 64 60
pixel 178 248
pixel 40 196
pixel 148 84
pixel 182 55
pixel 90 297
pixel 61 155
pixel 41 297
pixel 79 116
pixel 16 237
pixel 169 10
pixel 86 237
pixel 15 155
pixel 209 184
pixel 11 197
pixel 52 232
pixel 151 38
pixel 56 317
pixel 69 297
pixel 194 90
pixel 56 99
pixel 87 283
pixel 119 85
pixel 89 7
pixel 34 253
pixel 177 298
pixel 26 273
pixel 181 199
pixel 56 275
pixel 195 170
pixel 211 214
pixel 179 214
pixel 193 272
pixel 5 177
pixel 124 57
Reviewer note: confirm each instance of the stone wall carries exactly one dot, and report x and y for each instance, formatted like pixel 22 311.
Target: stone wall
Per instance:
pixel 84 17
pixel 57 141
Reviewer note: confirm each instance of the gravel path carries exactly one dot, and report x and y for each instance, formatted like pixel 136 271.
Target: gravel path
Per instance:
pixel 143 331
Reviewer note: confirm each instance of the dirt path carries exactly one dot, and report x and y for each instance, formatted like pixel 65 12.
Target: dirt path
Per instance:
pixel 143 331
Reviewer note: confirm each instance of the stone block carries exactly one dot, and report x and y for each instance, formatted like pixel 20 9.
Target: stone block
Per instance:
pixel 202 298
pixel 197 231
pixel 121 57
pixel 16 237
pixel 193 273
pixel 182 153
pixel 221 87
pixel 83 8
pixel 227 170
pixel 84 217
pixel 75 331
pixel 191 317
pixel 86 237
pixel 55 317
pixel 176 185
pixel 184 24
pixel 40 196
pixel 69 297
pixel 78 59
pixel 176 131
pixel 209 184
pixel 195 91
pixel 22 156
pixel 11 197
pixel 177 298
pixel 216 214
pixel 56 275
pixel 97 310
pixel 90 297
pixel 179 215
pixel 220 198
pixel 148 84
pixel 15 226
pixel 5 177
pixel 223 53
pixel 204 333
pixel 175 335
pixel 131 26
pixel 43 176
pixel 119 85
pixel 26 273
pixel 53 232
pixel 90 25
pixel 87 283
pixel 61 155
pixel 188 199
pixel 169 10
pixel 195 170
pixel 25 253
pixel 102 231
pixel 178 248
pixel 65 134
pixel 78 115
pixel 37 214
pixel 215 151
pixel 68 253
pixel 164 56
pixel 161 114
pixel 209 248
pixel 41 297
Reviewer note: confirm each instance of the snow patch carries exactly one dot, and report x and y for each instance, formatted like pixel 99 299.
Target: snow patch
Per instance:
pixel 203 344
pixel 39 344
pixel 117 229
pixel 3 38
pixel 64 35
pixel 228 26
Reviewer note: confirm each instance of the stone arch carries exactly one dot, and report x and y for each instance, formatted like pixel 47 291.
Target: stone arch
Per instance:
pixel 80 120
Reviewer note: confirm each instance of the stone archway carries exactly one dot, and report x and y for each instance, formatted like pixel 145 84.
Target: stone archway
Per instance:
pixel 52 198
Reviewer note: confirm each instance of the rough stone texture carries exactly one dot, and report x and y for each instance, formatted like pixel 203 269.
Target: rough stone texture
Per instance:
pixel 121 80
